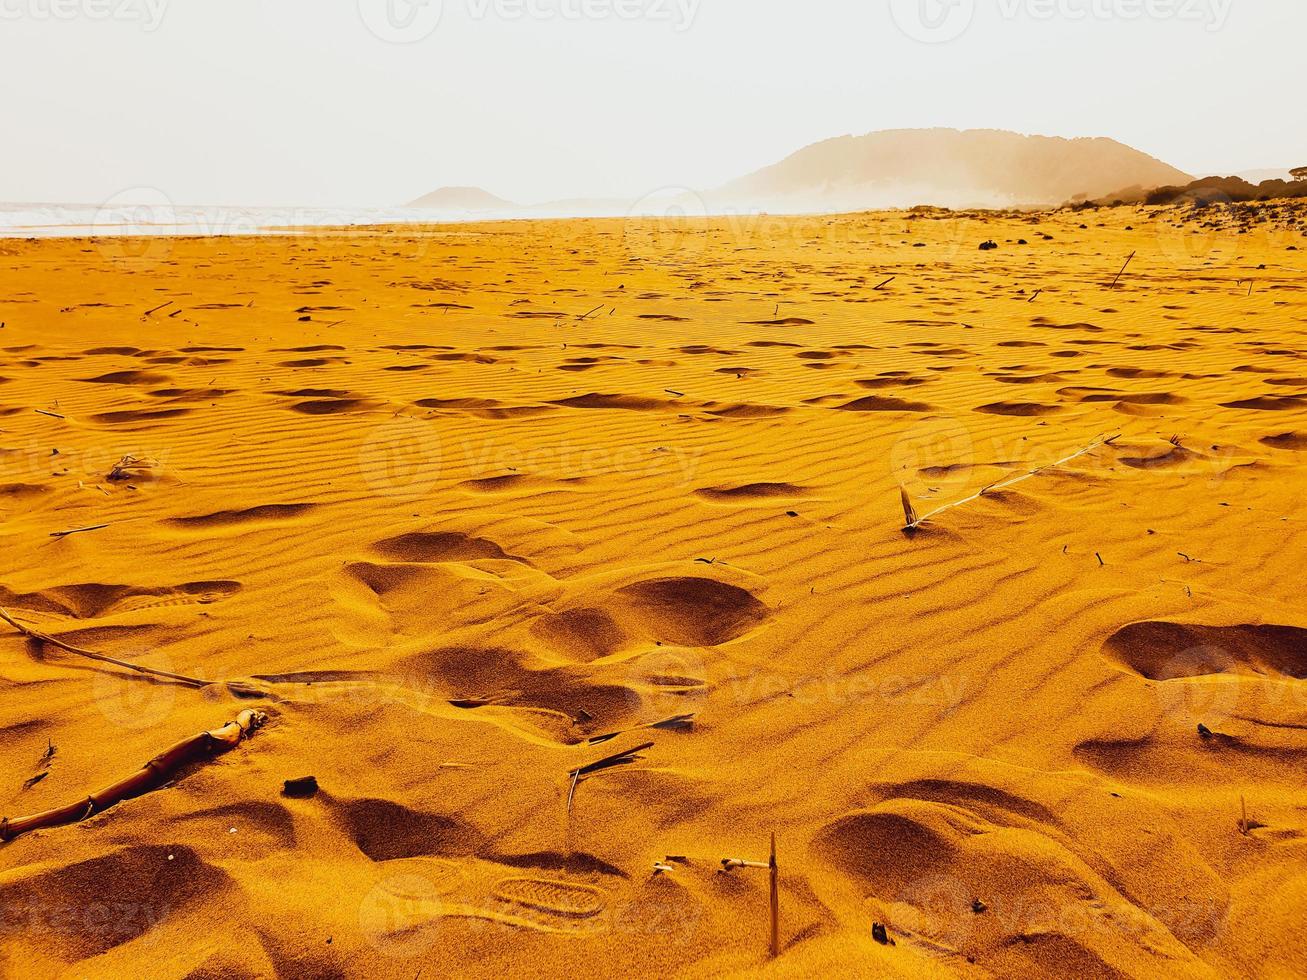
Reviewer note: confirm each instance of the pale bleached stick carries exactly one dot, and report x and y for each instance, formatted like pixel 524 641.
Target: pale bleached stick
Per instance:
pixel 773 892
pixel 993 487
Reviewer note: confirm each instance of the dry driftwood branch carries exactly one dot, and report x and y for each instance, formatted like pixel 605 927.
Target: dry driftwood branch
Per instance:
pixel 151 776
pixel 915 522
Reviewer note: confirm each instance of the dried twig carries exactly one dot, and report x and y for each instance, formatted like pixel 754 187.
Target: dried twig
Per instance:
pixel 1122 272
pixel 770 866
pixel 133 468
pixel 611 761
pixel 678 723
pixel 608 762
pixel 78 530
pixel 154 774
pixel 914 522
pixel 91 655
pixel 237 688
pixel 775 900
pixel 909 512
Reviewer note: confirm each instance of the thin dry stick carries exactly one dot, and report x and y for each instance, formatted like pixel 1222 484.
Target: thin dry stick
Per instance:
pixel 915 522
pixel 78 530
pixel 154 774
pixel 1122 272
pixel 885 283
pixel 677 723
pixel 607 762
pixel 775 901
pixel 909 512
pixel 91 655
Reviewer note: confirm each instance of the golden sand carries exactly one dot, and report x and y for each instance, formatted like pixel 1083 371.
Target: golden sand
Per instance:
pixel 462 500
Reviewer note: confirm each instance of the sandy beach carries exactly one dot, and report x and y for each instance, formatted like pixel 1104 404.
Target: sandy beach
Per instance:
pixel 458 512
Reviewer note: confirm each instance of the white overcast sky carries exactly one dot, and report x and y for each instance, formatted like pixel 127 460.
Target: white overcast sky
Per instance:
pixel 300 102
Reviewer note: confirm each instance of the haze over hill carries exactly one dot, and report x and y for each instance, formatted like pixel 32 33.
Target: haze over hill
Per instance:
pixel 893 168
pixel 949 168
pixel 463 199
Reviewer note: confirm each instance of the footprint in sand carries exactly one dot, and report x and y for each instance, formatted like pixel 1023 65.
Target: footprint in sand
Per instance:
pixel 264 514
pixel 108 901
pixel 434 547
pixel 921 863
pixel 129 378
pixel 1018 409
pixel 560 898
pixel 139 416
pixel 1211 674
pixel 95 600
pixel 693 612
pixel 753 491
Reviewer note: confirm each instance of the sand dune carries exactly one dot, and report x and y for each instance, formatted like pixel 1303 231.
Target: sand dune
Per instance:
pixel 467 511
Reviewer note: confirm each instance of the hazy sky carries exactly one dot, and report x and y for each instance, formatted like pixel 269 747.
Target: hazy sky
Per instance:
pixel 374 102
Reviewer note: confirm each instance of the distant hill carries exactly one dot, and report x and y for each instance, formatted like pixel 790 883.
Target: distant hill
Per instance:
pixel 946 167
pixel 1225 190
pixel 1257 176
pixel 462 199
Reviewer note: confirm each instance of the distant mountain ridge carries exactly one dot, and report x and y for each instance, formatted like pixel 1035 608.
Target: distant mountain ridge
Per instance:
pixel 981 168
pixel 462 199
pixel 948 168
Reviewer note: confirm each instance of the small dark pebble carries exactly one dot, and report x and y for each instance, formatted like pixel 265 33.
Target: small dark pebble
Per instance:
pixel 880 934
pixel 302 788
pixel 979 907
pixel 1204 731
